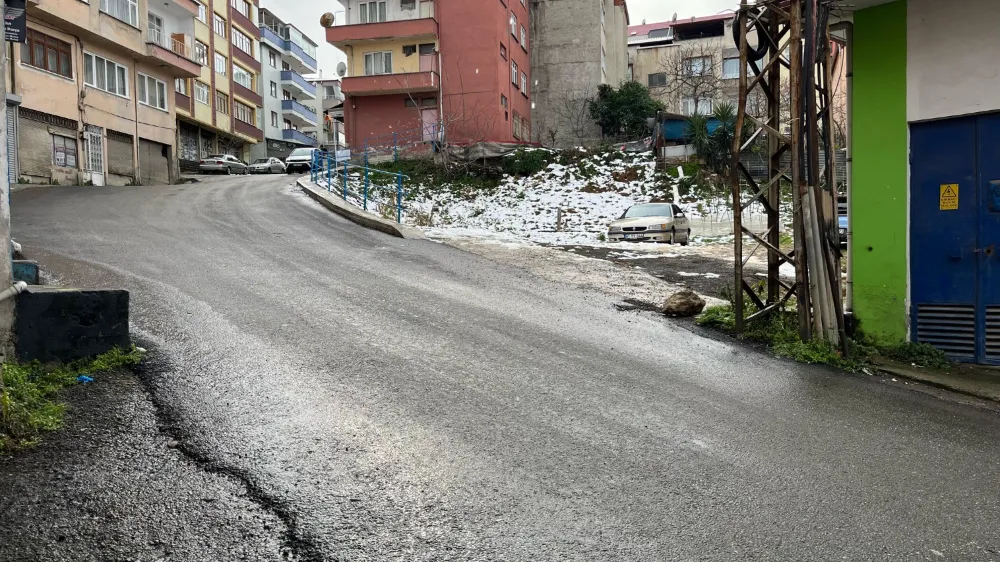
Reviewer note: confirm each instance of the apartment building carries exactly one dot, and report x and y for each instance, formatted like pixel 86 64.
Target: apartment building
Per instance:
pixel 94 80
pixel 569 61
pixel 689 64
pixel 329 106
pixel 287 56
pixel 420 70
pixel 219 110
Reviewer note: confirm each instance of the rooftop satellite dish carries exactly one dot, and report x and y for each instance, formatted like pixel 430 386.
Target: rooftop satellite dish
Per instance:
pixel 674 18
pixel 341 69
pixel 327 19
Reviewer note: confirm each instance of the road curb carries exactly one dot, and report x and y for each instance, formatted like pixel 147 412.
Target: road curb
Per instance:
pixel 356 215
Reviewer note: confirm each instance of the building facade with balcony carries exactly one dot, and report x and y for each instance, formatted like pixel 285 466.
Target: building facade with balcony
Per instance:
pixel 287 56
pixel 94 81
pixel 219 111
pixel 423 70
pixel 329 106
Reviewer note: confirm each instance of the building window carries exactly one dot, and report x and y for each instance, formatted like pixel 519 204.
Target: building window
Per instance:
pixel 105 75
pixel 524 84
pixel 64 151
pixel 731 68
pixel 181 86
pixel 697 66
pixel 517 125
pixel 48 53
pixel 152 92
pixel 372 12
pixel 243 7
pixel 243 112
pixel 513 26
pixel 222 103
pixel 657 80
pixel 274 118
pixel 272 60
pixel 288 125
pixel 202 13
pixel 201 53
pixel 524 38
pixel 378 63
pixel 242 77
pixel 690 106
pixel 220 64
pixel 242 42
pixel 274 89
pixel 503 52
pixel 285 66
pixel 201 92
pixel 525 129
pixel 124 10
pixel 219 25
pixel 513 73
pixel 503 101
pixel 286 95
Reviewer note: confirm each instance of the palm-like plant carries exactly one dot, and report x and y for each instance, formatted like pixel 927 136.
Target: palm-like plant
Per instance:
pixel 715 148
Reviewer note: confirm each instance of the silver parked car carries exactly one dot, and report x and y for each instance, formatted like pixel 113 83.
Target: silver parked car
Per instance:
pixel 223 163
pixel 267 166
pixel 651 222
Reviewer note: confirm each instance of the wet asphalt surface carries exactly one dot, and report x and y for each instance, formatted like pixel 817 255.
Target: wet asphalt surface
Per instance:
pixel 317 391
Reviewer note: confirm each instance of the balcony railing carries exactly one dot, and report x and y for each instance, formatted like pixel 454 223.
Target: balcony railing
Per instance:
pixel 299 137
pixel 299 82
pixel 159 37
pixel 276 36
pixel 124 10
pixel 296 107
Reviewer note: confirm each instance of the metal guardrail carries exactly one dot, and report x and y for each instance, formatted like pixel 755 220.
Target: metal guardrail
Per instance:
pixel 391 143
pixel 325 168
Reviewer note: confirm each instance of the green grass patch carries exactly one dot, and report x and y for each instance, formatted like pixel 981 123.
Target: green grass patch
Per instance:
pixel 29 394
pixel 779 332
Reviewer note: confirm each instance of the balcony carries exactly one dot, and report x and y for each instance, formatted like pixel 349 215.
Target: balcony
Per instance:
pixel 291 135
pixel 301 61
pixel 187 5
pixel 423 29
pixel 172 53
pixel 298 113
pixel 385 84
pixel 247 130
pixel 296 82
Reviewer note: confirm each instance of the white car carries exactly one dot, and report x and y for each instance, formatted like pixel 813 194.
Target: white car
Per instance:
pixel 651 222
pixel 267 166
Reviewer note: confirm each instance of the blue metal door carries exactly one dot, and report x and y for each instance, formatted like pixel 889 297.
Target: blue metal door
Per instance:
pixel 943 236
pixel 989 239
pixel 955 236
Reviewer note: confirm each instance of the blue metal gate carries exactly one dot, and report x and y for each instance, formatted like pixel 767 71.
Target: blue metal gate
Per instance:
pixel 954 225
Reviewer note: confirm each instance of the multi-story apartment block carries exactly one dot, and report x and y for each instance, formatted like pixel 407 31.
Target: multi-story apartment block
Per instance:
pixel 286 56
pixel 415 66
pixel 569 61
pixel 94 82
pixel 689 64
pixel 219 110
pixel 329 106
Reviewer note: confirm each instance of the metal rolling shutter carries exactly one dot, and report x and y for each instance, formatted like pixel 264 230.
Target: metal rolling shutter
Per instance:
pixel 154 166
pixel 36 148
pixel 11 143
pixel 120 154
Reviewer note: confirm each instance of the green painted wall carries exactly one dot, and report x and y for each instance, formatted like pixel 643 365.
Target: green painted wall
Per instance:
pixel 879 188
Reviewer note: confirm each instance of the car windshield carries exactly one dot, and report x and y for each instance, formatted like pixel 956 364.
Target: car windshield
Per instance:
pixel 652 210
pixel 261 161
pixel 301 152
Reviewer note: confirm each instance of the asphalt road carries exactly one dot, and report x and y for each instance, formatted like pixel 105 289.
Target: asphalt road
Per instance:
pixel 384 399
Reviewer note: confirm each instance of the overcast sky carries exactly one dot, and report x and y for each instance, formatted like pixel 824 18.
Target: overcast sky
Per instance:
pixel 305 16
pixel 663 10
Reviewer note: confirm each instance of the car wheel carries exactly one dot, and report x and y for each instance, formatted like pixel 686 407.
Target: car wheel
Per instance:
pixel 687 238
pixel 229 171
pixel 672 236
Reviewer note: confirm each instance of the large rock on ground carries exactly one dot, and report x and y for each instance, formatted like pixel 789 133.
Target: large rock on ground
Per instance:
pixel 684 303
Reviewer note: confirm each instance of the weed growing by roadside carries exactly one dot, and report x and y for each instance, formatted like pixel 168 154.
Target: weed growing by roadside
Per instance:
pixel 29 394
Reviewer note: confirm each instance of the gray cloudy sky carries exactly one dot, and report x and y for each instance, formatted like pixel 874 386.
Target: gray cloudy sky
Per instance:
pixel 662 10
pixel 305 16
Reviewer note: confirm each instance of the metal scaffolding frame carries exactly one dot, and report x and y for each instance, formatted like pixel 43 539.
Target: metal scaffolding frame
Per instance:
pixel 799 28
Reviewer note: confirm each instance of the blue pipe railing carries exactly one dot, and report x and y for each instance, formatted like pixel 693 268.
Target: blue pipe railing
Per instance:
pixel 392 143
pixel 388 198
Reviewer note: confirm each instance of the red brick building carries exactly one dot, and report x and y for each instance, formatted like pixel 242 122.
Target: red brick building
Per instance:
pixel 415 64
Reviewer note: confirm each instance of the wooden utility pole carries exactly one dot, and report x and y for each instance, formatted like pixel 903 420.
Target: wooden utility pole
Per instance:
pixel 6 265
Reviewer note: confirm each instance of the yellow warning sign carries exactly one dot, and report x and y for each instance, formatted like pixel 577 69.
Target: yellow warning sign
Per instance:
pixel 949 197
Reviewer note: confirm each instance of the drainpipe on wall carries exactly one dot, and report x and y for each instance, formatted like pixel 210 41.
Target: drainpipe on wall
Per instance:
pixel 848 28
pixel 135 109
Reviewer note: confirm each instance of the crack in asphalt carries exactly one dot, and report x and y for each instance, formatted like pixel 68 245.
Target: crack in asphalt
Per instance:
pixel 295 547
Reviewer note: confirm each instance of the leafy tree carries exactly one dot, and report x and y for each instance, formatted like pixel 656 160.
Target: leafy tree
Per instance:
pixel 715 148
pixel 623 112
